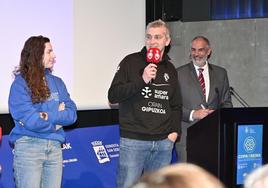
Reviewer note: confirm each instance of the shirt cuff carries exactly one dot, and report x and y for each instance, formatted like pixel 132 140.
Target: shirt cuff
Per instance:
pixel 191 116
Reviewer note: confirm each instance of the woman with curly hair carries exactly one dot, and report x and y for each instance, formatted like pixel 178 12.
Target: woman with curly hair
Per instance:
pixel 40 106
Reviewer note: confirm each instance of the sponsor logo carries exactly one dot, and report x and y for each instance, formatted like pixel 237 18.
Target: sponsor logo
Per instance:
pixel 249 144
pixel 105 153
pixel 100 152
pixel 66 146
pixel 72 160
pixel 161 94
pixel 153 107
pixel 112 150
pixel 166 77
pixel 153 110
pixel 246 156
pixel 249 130
pixel 158 94
pixel 146 92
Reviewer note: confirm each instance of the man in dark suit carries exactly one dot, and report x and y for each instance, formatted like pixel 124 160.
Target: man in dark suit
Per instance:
pixel 204 88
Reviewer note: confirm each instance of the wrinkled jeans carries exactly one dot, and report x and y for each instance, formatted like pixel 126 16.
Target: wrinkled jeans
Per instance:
pixel 138 156
pixel 37 163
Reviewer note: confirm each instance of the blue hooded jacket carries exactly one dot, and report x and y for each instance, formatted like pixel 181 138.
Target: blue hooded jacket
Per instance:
pixel 26 114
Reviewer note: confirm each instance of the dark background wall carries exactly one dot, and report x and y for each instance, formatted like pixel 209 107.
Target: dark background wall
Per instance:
pixel 237 31
pixel 192 10
pixel 240 46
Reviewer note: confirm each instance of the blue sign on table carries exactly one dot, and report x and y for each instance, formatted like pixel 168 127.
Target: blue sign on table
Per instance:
pixel 249 150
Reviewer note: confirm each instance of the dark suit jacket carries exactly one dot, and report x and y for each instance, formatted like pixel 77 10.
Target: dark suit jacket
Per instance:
pixel 191 91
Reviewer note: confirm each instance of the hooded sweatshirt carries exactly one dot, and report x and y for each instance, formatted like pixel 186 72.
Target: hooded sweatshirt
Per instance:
pixel 26 114
pixel 146 111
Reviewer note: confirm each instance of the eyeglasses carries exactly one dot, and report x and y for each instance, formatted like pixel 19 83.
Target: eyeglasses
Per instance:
pixel 156 37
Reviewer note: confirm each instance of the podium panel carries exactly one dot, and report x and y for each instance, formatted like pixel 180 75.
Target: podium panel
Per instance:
pixel 230 143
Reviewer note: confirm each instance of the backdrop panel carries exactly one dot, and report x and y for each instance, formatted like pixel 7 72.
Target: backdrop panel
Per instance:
pixel 90 157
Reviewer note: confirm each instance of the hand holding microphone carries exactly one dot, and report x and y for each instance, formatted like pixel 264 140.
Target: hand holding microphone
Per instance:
pixel 149 73
pixel 153 57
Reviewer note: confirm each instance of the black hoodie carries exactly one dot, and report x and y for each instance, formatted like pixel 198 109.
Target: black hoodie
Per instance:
pixel 146 111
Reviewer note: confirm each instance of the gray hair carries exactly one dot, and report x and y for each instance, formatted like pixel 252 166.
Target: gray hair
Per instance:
pixel 201 37
pixel 159 23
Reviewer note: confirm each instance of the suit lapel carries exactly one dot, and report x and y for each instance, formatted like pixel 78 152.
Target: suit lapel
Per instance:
pixel 212 83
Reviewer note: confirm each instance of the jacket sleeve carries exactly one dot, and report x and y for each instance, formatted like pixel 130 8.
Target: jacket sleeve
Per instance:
pixel 186 114
pixel 24 112
pixel 226 95
pixel 185 111
pixel 176 108
pixel 122 88
pixel 67 116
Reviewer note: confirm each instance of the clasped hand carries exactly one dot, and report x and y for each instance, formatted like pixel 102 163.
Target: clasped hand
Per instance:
pixel 201 113
pixel 44 115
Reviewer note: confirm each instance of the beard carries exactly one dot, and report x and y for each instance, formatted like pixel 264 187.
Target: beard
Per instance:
pixel 199 61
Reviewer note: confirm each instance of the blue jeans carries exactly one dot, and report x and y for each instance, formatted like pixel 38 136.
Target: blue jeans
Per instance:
pixel 37 163
pixel 137 156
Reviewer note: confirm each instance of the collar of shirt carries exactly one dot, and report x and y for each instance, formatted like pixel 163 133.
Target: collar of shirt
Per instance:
pixel 205 67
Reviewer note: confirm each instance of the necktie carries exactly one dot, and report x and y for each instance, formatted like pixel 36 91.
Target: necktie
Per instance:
pixel 202 80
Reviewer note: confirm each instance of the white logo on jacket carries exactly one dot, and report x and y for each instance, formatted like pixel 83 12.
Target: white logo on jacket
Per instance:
pixel 146 92
pixel 54 96
pixel 166 76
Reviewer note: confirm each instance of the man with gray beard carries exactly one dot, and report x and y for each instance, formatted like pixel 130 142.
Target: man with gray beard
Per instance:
pixel 204 88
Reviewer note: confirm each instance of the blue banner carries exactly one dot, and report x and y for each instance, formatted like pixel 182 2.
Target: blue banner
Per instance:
pixel 90 158
pixel 6 162
pixel 249 150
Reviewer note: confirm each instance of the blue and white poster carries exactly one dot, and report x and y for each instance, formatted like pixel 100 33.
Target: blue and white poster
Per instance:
pixel 249 150
pixel 90 158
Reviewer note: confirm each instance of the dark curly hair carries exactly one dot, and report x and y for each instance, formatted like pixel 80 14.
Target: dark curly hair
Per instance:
pixel 32 69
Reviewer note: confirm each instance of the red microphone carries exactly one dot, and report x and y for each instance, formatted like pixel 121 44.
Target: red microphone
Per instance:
pixel 153 55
